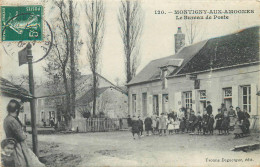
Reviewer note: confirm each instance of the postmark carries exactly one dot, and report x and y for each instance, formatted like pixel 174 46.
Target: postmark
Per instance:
pixel 22 23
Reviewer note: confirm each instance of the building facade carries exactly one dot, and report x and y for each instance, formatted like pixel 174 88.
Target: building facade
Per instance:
pixel 220 70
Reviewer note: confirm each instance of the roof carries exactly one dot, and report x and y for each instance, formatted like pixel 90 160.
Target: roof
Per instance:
pixel 230 50
pixel 235 49
pixel 152 71
pixel 88 96
pixel 9 89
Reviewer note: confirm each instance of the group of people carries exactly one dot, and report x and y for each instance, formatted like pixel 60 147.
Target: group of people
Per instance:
pixel 187 121
pixel 14 150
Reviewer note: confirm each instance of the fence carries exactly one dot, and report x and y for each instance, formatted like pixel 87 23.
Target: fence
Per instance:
pixel 96 124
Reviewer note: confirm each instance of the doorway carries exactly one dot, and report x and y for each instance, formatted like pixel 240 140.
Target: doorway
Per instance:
pixel 155 105
pixel 144 104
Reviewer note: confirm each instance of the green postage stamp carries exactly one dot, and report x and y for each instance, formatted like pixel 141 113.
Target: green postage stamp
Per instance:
pixel 22 23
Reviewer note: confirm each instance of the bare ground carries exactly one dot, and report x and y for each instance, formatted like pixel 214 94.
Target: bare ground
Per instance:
pixel 119 149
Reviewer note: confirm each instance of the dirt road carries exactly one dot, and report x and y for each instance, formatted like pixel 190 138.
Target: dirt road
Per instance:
pixel 119 149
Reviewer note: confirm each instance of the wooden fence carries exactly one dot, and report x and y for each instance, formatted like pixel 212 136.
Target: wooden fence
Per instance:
pixel 95 124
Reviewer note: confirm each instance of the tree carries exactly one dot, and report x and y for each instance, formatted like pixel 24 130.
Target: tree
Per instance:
pixel 72 58
pixel 58 62
pixel 192 30
pixel 130 19
pixel 95 32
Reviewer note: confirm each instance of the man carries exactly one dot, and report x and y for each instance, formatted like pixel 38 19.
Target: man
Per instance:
pixel 240 114
pixel 223 108
pixel 129 121
pixel 148 125
pixel 209 108
pixel 13 129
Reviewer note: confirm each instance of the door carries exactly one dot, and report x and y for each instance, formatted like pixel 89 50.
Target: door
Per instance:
pixel 165 103
pixel 144 104
pixel 155 105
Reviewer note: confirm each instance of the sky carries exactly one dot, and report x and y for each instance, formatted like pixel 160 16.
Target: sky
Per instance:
pixel 157 39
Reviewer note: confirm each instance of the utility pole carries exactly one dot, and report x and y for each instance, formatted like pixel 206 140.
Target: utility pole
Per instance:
pixel 32 102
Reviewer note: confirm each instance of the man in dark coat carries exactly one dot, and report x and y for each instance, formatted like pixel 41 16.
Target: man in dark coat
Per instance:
pixel 240 114
pixel 209 108
pixel 135 127
pixel 148 125
pixel 140 125
pixel 129 121
pixel 192 121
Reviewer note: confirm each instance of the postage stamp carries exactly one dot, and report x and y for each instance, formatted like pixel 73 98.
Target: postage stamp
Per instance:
pixel 22 23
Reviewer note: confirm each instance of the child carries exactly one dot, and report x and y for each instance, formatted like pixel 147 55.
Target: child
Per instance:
pixel 237 129
pixel 205 120
pixel 219 118
pixel 140 126
pixel 157 125
pixel 7 158
pixel 135 127
pixel 225 124
pixel 162 124
pixel 199 123
pixel 210 124
pixel 176 124
pixel 170 125
pixel 182 125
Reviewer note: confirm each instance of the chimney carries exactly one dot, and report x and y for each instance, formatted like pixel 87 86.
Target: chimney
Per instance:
pixel 179 40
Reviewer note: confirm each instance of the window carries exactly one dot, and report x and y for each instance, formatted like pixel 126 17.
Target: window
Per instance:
pixel 246 98
pixel 164 79
pixel 134 103
pixel 227 93
pixel 188 99
pixel 203 95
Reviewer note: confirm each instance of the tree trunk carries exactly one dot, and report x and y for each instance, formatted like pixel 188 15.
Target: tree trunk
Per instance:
pixel 128 59
pixel 72 60
pixel 67 109
pixel 94 92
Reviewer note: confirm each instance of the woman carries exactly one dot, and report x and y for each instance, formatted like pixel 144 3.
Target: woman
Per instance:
pixel 23 156
pixel 162 124
pixel 219 119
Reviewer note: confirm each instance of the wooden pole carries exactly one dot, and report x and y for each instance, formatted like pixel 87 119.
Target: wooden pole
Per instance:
pixel 32 102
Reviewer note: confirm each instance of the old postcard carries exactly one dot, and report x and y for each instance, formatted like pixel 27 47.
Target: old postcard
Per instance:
pixel 129 83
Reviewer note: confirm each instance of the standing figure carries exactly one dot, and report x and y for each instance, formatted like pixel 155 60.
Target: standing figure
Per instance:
pixel 225 123
pixel 245 122
pixel 24 157
pixel 210 124
pixel 219 119
pixel 157 125
pixel 199 123
pixel 192 121
pixel 162 124
pixel 209 108
pixel 176 126
pixel 148 125
pixel 135 127
pixel 170 125
pixel 223 108
pixel 232 117
pixel 154 123
pixel 140 126
pixel 129 122
pixel 240 114
pixel 237 129
pixel 205 120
